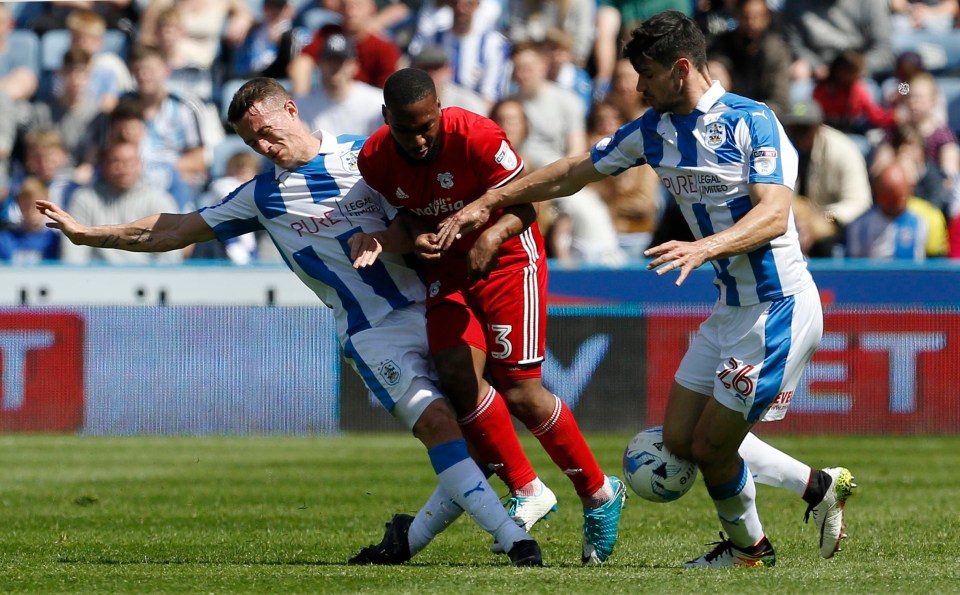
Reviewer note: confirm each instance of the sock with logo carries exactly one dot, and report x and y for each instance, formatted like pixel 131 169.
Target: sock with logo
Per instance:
pixel 561 438
pixel 736 503
pixel 462 487
pixel 489 428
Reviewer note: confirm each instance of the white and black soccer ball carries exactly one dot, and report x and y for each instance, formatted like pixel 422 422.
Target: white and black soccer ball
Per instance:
pixel 653 472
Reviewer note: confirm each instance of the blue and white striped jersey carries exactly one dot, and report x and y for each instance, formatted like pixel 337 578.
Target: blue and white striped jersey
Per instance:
pixel 310 212
pixel 707 160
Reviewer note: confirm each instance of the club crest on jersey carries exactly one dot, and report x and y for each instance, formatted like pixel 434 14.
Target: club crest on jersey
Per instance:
pixel 401 194
pixel 716 134
pixel 446 180
pixel 434 289
pixel 506 157
pixel 349 161
pixel 390 372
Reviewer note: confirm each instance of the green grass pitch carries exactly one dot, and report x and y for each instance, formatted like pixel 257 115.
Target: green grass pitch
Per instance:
pixel 282 514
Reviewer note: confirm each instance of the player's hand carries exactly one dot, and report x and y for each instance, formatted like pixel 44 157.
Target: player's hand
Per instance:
pixel 686 256
pixel 427 248
pixel 364 249
pixel 60 219
pixel 483 257
pixel 467 219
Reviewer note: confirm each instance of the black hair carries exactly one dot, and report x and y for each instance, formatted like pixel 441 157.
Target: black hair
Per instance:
pixel 128 108
pixel 666 37
pixel 252 92
pixel 406 86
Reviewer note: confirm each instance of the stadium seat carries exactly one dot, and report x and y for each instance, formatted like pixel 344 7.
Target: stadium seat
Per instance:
pixel 55 43
pixel 950 87
pixel 940 51
pixel 26 43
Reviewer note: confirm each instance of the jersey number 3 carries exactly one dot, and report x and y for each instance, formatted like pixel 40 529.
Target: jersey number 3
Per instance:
pixel 505 347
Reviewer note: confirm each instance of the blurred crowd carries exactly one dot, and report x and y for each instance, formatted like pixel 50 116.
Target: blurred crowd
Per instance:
pixel 116 109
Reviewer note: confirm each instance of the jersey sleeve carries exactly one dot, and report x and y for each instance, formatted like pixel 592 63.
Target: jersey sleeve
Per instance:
pixel 493 158
pixel 237 213
pixel 615 154
pixel 760 137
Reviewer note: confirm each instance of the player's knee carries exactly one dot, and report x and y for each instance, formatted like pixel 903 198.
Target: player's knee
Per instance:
pixel 436 425
pixel 457 380
pixel 678 443
pixel 529 401
pixel 703 451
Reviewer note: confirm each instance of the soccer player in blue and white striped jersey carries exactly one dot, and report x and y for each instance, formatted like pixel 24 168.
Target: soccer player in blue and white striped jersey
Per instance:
pixel 731 168
pixel 311 205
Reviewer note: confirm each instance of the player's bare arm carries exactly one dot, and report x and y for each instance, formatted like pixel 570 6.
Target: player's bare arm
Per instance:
pixel 483 255
pixel 765 221
pixel 560 178
pixel 157 233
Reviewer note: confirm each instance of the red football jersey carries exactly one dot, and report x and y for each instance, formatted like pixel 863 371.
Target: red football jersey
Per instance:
pixel 474 155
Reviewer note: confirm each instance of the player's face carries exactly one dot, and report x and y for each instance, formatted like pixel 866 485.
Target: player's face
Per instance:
pixel 269 129
pixel 661 86
pixel 416 127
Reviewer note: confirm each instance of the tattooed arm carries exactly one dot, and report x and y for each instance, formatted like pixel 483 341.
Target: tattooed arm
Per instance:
pixel 156 233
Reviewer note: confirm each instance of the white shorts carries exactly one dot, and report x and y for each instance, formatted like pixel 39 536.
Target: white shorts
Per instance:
pixel 393 360
pixel 750 358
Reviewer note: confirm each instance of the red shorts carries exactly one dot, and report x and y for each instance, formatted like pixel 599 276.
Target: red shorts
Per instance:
pixel 504 316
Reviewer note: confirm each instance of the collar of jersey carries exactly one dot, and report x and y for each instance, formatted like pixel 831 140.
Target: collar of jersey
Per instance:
pixel 710 97
pixel 328 144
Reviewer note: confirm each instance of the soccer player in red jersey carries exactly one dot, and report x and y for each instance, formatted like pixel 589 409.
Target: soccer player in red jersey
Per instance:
pixel 430 162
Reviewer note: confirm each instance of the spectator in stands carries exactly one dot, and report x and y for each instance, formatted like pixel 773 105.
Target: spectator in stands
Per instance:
pixel 561 68
pixel 109 75
pixel 45 160
pixel 623 91
pixel 271 44
pixel 818 30
pixel 615 20
pixel 905 146
pixel 758 56
pixel 954 237
pixel 205 23
pixel 435 59
pixel 187 76
pixel 921 113
pixel 434 16
pixel 122 194
pixel 556 116
pixel 18 78
pixel 378 57
pixel 634 198
pixel 832 172
pixel 908 65
pixel 174 122
pixel 73 109
pixel 530 20
pixel 242 167
pixel 889 230
pixel 479 57
pixel 342 104
pixel 715 17
pixel 30 241
pixel 848 105
pixel 923 15
pixel 41 17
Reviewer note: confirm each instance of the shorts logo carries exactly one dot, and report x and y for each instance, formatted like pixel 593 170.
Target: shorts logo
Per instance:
pixel 716 135
pixel 506 157
pixel 434 288
pixel 446 180
pixel 389 372
pixel 401 194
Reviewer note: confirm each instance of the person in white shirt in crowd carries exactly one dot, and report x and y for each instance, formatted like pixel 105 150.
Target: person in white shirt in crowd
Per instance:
pixel 435 60
pixel 341 103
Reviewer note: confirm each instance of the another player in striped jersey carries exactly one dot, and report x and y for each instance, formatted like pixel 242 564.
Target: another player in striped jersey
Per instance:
pixel 311 205
pixel 731 168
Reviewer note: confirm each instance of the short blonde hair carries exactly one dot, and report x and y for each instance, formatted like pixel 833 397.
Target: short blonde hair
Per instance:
pixel 86 21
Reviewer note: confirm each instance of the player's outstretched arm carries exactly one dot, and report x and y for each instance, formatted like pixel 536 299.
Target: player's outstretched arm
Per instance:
pixel 765 221
pixel 157 233
pixel 560 178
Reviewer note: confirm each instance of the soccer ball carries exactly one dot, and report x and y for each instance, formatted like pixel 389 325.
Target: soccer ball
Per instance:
pixel 653 472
